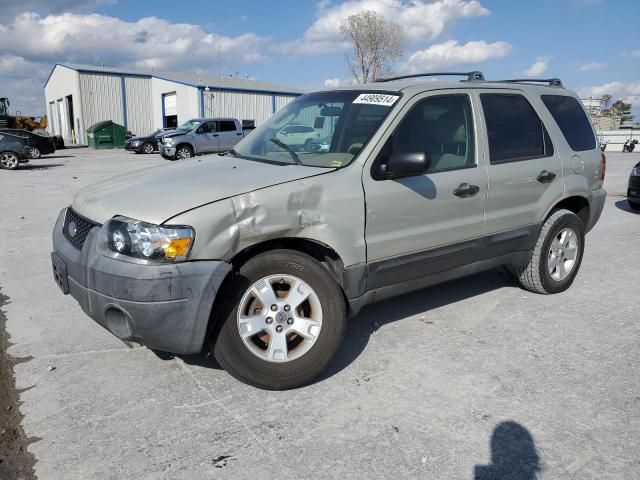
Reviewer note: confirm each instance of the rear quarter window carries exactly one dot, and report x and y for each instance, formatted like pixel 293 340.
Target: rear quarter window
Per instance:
pixel 573 122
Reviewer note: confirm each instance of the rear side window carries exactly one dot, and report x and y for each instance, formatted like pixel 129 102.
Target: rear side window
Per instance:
pixel 515 131
pixel 572 120
pixel 227 126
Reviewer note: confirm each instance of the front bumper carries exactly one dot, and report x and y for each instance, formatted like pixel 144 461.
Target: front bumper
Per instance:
pixel 167 152
pixel 598 198
pixel 133 148
pixel 633 192
pixel 165 307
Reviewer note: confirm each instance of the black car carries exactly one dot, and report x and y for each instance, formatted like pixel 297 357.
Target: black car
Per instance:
pixel 14 150
pixel 40 144
pixel 147 144
pixel 633 192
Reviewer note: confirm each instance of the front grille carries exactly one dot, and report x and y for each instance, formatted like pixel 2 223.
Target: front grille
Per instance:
pixel 77 233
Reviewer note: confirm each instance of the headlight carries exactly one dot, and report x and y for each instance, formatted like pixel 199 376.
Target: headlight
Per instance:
pixel 136 143
pixel 636 171
pixel 133 238
pixel 168 141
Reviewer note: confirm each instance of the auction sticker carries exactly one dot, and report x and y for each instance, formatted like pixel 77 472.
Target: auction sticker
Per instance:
pixel 376 99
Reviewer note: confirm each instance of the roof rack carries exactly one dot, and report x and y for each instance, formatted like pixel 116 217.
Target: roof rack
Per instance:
pixel 552 82
pixel 471 76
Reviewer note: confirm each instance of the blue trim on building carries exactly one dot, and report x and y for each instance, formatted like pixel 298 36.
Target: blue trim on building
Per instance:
pixel 201 90
pixel 124 101
pixel 164 117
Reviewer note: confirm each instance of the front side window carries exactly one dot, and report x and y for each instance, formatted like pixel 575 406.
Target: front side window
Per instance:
pixel 326 129
pixel 515 131
pixel 207 127
pixel 442 129
pixel 572 120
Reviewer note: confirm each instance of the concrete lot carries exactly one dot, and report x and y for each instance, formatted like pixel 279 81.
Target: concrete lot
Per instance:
pixel 422 385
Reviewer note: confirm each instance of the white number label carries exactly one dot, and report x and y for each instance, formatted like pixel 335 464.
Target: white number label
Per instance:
pixel 376 99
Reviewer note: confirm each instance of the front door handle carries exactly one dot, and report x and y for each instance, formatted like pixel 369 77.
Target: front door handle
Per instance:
pixel 238 133
pixel 215 134
pixel 546 177
pixel 465 190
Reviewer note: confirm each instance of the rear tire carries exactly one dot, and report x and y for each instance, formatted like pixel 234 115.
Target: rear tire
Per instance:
pixel 250 351
pixel 35 153
pixel 557 256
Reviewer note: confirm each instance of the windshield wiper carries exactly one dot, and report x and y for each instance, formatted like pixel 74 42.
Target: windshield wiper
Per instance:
pixel 283 145
pixel 233 153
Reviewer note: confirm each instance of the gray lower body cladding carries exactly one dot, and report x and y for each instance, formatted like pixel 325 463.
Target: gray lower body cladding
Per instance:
pixel 165 307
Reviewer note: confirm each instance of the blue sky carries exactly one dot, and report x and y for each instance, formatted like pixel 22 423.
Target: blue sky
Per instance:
pixel 592 45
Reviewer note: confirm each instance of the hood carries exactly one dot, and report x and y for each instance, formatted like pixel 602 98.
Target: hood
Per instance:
pixel 173 133
pixel 158 194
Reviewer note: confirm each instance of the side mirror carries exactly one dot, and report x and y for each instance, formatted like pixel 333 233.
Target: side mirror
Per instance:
pixel 405 164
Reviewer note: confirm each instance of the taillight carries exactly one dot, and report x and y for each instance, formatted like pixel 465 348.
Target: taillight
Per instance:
pixel 603 168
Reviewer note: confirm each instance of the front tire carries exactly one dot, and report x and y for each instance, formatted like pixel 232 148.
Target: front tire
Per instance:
pixel 147 148
pixel 284 321
pixel 557 256
pixel 183 152
pixel 9 161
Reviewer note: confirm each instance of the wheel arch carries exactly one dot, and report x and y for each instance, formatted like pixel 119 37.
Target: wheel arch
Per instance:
pixel 576 204
pixel 321 252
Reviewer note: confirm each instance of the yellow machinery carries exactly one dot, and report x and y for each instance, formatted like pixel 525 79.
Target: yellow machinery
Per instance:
pixel 19 121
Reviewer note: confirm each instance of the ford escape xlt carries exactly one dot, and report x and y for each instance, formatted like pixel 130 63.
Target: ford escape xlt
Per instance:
pixel 264 252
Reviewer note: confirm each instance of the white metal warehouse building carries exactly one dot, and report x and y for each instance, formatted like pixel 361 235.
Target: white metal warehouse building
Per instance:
pixel 78 96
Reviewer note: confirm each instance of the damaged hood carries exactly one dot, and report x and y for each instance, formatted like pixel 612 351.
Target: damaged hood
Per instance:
pixel 157 194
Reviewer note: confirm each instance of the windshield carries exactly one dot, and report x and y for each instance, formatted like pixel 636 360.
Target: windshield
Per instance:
pixel 3 106
pixel 190 125
pixel 326 129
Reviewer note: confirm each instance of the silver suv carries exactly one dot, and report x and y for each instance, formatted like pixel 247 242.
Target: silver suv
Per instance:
pixel 262 254
pixel 199 136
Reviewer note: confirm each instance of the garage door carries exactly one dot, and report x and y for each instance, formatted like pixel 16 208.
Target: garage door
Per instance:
pixel 170 104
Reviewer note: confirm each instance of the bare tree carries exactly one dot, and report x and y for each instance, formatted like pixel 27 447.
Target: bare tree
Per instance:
pixel 377 43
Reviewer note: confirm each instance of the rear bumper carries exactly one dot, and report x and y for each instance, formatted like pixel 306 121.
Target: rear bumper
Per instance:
pixel 165 307
pixel 597 200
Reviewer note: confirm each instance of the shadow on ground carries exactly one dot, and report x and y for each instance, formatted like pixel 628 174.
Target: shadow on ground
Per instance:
pixel 513 455
pixel 39 166
pixel 373 317
pixel 624 205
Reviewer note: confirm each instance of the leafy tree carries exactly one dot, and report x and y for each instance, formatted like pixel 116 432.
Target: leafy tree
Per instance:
pixel 376 44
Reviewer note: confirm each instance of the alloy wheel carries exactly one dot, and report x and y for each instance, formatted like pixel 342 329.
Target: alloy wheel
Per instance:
pixel 563 253
pixel 279 318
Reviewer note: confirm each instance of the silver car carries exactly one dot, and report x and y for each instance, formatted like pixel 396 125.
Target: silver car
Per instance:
pixel 199 136
pixel 263 253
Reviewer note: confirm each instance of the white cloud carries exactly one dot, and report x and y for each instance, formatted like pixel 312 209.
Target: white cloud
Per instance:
pixel 421 20
pixel 149 42
pixel 450 53
pixel 592 66
pixel 332 82
pixel 628 92
pixel 538 68
pixel 31 44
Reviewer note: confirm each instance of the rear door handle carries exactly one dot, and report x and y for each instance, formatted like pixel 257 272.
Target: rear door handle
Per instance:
pixel 465 190
pixel 238 133
pixel 546 177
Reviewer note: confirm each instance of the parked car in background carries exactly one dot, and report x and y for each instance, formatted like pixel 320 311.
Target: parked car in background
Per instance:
pixel 297 134
pixel 40 144
pixel 633 192
pixel 14 149
pixel 148 144
pixel 263 253
pixel 209 135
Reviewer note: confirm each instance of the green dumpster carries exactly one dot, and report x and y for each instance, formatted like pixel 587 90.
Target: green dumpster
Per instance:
pixel 106 134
